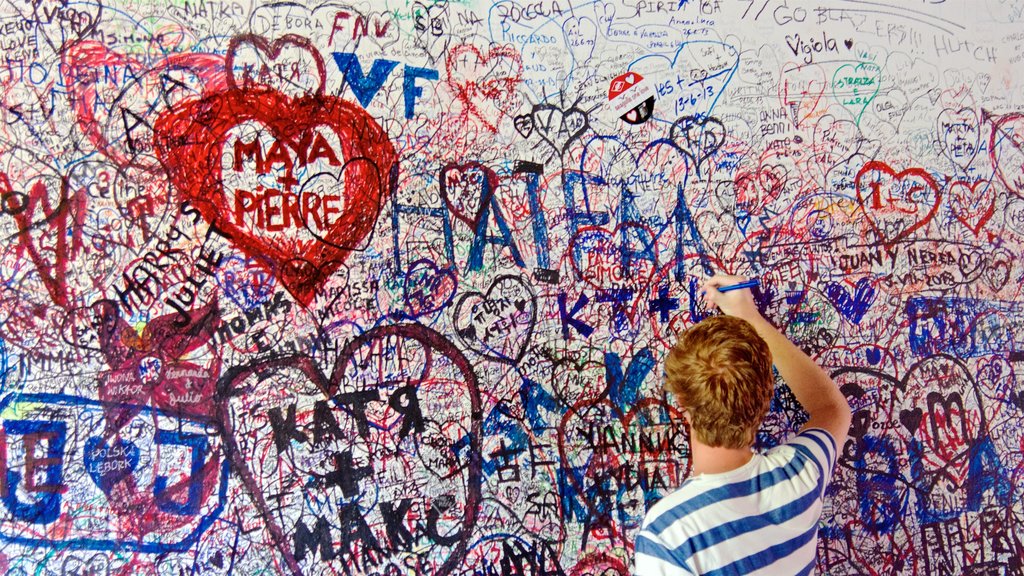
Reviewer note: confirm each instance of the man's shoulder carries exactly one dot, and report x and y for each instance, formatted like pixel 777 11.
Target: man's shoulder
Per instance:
pixel 814 442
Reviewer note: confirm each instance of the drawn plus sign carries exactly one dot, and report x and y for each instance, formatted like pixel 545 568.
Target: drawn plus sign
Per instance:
pixel 663 304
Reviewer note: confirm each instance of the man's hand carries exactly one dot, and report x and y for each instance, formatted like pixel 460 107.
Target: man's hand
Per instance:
pixel 738 303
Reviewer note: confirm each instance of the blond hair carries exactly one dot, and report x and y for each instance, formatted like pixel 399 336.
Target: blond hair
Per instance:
pixel 720 370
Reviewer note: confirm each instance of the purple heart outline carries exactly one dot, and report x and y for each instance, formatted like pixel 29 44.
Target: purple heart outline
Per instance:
pixel 423 290
pixel 467 189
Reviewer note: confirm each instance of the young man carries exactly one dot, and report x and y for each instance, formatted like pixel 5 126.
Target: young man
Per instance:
pixel 742 512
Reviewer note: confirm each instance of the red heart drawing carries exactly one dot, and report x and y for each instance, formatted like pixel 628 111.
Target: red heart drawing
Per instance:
pixel 296 182
pixel 113 95
pixel 291 64
pixel 486 85
pixel 772 178
pixel 37 216
pixel 1006 149
pixel 151 368
pixel 895 204
pixel 800 90
pixel 973 203
pixel 756 191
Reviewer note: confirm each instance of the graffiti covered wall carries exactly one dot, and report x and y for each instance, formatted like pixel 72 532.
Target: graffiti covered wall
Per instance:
pixel 384 288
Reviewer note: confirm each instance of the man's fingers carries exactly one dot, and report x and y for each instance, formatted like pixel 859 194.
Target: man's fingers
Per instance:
pixel 723 280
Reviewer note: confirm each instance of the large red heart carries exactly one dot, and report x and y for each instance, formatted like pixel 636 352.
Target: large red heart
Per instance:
pixel 224 151
pixel 895 203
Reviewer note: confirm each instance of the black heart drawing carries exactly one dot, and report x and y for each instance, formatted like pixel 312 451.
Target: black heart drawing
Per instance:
pixel 523 124
pixel 959 134
pixel 699 137
pixel 387 371
pixel 497 325
pixel 558 127
pixel 848 43
pixel 911 419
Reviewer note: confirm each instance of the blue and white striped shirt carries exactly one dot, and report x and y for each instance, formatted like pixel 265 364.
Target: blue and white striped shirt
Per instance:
pixel 761 518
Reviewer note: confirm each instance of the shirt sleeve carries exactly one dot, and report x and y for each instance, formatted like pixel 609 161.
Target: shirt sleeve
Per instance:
pixel 821 447
pixel 653 558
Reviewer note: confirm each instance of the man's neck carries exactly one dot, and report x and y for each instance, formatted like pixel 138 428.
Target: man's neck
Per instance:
pixel 716 460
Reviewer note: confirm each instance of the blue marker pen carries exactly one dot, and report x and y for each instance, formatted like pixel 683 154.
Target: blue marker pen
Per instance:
pixel 741 285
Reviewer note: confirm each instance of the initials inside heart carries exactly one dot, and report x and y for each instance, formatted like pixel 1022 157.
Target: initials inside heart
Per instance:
pixel 896 204
pixel 497 325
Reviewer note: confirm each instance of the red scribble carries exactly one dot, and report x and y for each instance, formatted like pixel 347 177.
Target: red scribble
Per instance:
pixel 481 80
pixel 974 203
pixel 1010 174
pixel 52 224
pixel 600 563
pixel 800 96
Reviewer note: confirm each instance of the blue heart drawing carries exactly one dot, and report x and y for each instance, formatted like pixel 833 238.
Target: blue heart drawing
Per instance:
pixel 108 465
pixel 742 221
pixel 873 355
pixel 853 307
